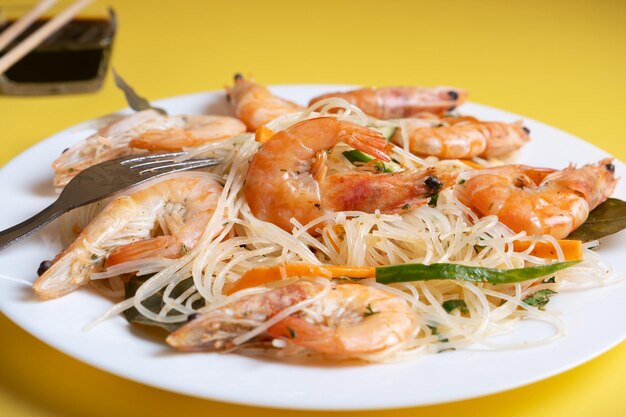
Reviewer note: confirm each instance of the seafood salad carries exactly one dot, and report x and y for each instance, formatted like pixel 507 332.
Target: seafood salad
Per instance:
pixel 372 225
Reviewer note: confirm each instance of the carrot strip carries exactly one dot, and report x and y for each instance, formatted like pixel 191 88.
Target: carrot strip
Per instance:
pixel 266 274
pixel 572 249
pixel 471 164
pixel 263 134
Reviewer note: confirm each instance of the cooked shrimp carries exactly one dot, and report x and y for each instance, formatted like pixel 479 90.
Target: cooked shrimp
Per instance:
pixel 455 139
pixel 281 184
pixel 107 143
pixel 195 131
pixel 255 105
pixel 540 201
pixel 351 319
pixel 179 206
pixel 138 132
pixel 399 102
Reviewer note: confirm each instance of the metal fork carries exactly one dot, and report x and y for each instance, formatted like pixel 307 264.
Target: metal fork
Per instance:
pixel 101 181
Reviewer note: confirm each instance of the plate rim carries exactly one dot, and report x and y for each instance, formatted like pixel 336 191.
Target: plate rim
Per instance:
pixel 85 358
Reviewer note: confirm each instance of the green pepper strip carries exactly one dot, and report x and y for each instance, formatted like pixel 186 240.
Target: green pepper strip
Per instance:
pixel 420 272
pixel 357 156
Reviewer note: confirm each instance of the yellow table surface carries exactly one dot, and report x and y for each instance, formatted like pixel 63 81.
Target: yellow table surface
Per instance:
pixel 561 62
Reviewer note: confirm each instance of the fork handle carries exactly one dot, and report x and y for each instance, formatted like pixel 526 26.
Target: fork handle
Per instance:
pixel 39 220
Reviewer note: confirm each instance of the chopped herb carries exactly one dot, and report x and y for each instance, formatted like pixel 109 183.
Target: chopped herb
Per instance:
pixel 478 248
pixel 184 250
pixel 451 305
pixel 433 330
pixel 94 256
pixel 462 182
pixel 550 280
pixel 433 200
pixel 292 333
pixel 318 205
pixel 440 125
pixel 406 207
pixel 369 311
pixel 539 299
pixel 380 166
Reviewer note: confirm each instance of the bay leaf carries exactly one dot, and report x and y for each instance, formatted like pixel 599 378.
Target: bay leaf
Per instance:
pixel 606 219
pixel 154 303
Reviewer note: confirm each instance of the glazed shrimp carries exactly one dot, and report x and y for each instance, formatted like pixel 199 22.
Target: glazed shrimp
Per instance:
pixel 145 130
pixel 454 139
pixel 540 201
pixel 400 102
pixel 179 207
pixel 351 319
pixel 281 183
pixel 255 105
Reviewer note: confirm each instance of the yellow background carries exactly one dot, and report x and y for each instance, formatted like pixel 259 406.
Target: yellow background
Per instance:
pixel 561 62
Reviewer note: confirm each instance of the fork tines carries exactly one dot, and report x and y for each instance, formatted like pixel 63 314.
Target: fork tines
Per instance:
pixel 160 164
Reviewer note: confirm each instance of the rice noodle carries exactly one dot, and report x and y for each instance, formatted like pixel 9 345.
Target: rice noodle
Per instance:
pixel 236 241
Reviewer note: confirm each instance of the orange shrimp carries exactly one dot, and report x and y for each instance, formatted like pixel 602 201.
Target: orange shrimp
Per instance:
pixel 399 102
pixel 144 130
pixel 194 131
pixel 281 183
pixel 349 320
pixel 181 204
pixel 255 105
pixel 540 201
pixel 452 138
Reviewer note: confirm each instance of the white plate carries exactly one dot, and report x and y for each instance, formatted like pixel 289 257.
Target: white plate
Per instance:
pixel 594 318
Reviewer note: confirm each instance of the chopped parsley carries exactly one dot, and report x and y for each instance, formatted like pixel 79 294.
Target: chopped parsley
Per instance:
pixel 184 250
pixel 452 305
pixel 369 311
pixel 539 299
pixel 380 166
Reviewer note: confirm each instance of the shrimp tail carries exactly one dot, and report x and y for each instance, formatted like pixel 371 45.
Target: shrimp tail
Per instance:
pixel 367 140
pixel 161 246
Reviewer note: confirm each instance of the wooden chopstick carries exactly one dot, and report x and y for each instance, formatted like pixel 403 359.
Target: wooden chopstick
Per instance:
pixel 41 35
pixel 24 22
